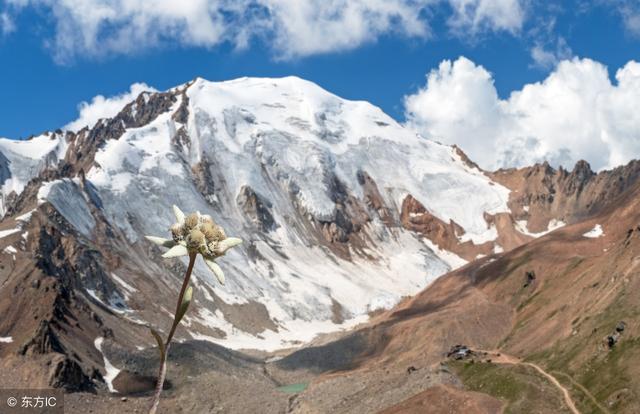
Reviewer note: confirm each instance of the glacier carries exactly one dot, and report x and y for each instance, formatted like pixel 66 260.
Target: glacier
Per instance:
pixel 299 149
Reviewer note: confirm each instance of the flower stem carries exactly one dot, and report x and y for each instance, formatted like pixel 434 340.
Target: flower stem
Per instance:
pixel 163 362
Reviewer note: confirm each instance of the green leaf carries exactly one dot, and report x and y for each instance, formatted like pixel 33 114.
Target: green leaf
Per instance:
pixel 186 300
pixel 159 341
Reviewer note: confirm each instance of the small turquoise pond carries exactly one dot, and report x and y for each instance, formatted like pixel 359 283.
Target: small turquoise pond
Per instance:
pixel 294 388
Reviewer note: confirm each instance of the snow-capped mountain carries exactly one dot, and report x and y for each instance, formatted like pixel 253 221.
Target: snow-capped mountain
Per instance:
pixel 342 210
pixel 314 184
pixel 20 161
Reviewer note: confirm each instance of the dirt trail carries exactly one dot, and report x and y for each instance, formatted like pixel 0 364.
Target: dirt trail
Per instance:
pixel 501 358
pixel 584 390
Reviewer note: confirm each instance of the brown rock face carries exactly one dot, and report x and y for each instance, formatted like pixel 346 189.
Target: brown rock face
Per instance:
pixel 541 193
pixel 415 217
pixel 43 341
pixel 256 208
pixel 373 199
pixel 68 374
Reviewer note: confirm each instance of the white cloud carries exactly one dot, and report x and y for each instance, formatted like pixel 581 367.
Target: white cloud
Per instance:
pixel 629 11
pixel 291 28
pixel 6 24
pixel 101 27
pixel 307 27
pixel 631 18
pixel 575 113
pixel 479 15
pixel 101 107
pixel 548 58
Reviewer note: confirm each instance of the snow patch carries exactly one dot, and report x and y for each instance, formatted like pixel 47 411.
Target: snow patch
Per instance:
pixel 5 233
pixel 127 287
pixel 35 148
pixel 297 332
pixel 116 302
pixel 595 232
pixel 21 160
pixel 68 199
pixel 139 151
pixel 26 216
pixel 452 259
pixel 521 226
pixel 111 372
pixel 10 249
pixel 479 238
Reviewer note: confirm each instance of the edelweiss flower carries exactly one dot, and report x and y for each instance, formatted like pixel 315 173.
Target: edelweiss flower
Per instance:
pixel 195 234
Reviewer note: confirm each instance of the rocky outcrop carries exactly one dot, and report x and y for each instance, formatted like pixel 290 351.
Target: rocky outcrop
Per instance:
pixel 257 209
pixel 84 144
pixel 373 199
pixel 67 373
pixel 349 216
pixel 541 193
pixel 60 253
pixel 44 341
pixel 415 217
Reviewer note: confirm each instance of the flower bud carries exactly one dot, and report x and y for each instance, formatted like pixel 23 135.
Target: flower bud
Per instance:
pixel 209 231
pixel 191 221
pixel 177 232
pixel 195 240
pixel 220 234
pixel 205 218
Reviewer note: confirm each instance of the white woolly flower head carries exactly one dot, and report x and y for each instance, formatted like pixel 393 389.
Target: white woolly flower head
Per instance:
pixel 197 234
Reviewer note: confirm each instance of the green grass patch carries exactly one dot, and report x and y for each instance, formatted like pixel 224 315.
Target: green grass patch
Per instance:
pixel 585 357
pixel 294 388
pixel 521 388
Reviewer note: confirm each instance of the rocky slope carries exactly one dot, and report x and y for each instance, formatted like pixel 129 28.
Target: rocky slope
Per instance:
pixel 344 212
pixel 563 302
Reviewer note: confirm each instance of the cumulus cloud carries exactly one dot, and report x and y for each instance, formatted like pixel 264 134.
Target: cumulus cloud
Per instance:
pixel 577 112
pixel 103 107
pixel 101 27
pixel 291 28
pixel 307 27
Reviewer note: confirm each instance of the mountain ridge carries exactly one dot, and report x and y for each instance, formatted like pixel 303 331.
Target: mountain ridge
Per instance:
pixel 344 213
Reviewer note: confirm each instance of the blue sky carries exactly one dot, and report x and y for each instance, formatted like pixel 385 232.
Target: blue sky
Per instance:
pixel 56 54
